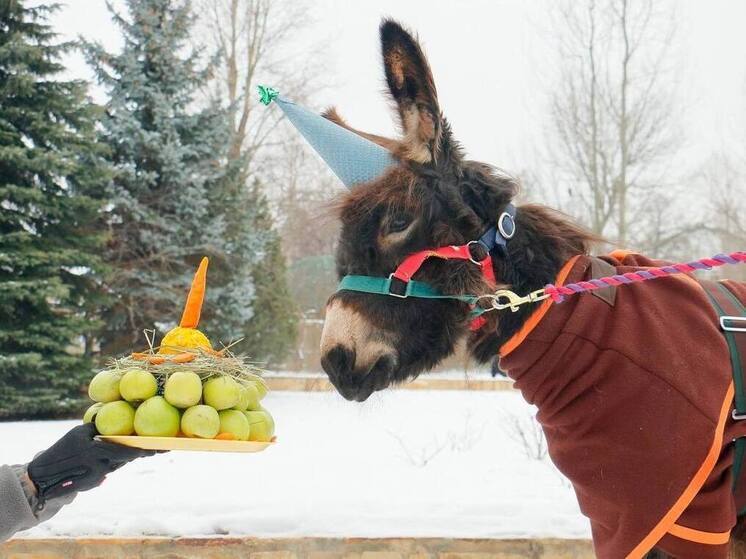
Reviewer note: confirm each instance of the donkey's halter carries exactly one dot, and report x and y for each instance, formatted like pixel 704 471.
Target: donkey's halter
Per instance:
pixel 493 242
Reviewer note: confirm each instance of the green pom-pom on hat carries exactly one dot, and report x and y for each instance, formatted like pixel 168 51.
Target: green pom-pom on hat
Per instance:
pixel 267 94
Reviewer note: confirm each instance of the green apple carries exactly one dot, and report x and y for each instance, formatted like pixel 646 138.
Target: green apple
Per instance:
pixel 236 423
pixel 248 398
pixel 260 387
pixel 90 413
pixel 138 385
pixel 261 425
pixel 270 422
pixel 105 387
pixel 157 418
pixel 183 390
pixel 221 392
pixel 200 421
pixel 116 418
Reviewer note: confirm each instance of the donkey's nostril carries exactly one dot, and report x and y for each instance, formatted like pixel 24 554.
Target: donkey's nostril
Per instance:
pixel 338 361
pixel 385 365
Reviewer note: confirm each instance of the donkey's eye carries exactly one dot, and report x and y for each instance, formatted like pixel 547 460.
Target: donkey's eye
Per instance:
pixel 398 224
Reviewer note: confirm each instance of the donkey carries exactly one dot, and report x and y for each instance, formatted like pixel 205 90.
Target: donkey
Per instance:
pixel 646 446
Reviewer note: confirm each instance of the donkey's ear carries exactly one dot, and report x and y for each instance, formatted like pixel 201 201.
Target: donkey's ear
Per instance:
pixel 412 88
pixel 393 146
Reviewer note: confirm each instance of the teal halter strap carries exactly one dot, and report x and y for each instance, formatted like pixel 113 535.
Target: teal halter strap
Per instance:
pixel 494 239
pixel 419 289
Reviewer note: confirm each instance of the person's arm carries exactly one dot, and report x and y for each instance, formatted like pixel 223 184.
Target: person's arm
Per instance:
pixel 17 496
pixel 77 462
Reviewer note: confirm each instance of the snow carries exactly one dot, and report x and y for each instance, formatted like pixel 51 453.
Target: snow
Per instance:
pixel 446 374
pixel 405 463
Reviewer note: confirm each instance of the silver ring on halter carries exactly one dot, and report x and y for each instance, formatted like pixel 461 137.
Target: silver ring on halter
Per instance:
pixel 501 225
pixel 492 302
pixel 477 262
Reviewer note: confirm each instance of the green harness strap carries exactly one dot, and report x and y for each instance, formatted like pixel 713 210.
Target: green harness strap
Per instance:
pixel 724 303
pixel 382 286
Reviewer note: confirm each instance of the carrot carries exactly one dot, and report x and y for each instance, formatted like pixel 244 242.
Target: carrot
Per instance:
pixel 182 358
pixel 139 356
pixel 156 360
pixel 226 437
pixel 193 306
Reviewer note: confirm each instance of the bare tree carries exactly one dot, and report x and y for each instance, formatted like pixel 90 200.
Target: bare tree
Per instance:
pixel 723 176
pixel 612 111
pixel 527 432
pixel 304 190
pixel 258 40
pixel 269 42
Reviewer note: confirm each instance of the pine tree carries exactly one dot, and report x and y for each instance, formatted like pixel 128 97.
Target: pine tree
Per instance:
pixel 274 327
pixel 169 205
pixel 51 183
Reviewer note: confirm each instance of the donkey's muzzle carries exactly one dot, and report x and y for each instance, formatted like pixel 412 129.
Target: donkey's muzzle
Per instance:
pixel 357 357
pixel 356 384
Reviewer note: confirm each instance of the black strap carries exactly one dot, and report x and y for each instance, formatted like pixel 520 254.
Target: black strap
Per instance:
pixel 728 306
pixel 495 239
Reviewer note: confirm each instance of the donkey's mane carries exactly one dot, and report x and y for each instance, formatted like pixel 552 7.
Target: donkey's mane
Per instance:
pixel 545 239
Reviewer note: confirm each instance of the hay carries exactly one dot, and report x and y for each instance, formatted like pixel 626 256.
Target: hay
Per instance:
pixel 205 363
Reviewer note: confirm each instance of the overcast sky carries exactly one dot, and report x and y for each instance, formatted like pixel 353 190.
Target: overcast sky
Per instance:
pixel 490 59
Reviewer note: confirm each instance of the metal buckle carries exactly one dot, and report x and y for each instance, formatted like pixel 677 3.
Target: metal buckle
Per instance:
pixel 406 287
pixel 737 416
pixel 468 249
pixel 500 227
pixel 736 319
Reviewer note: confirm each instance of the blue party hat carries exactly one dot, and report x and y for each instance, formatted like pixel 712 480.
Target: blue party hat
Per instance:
pixel 352 158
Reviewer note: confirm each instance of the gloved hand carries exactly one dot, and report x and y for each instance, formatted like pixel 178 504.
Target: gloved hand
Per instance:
pixel 78 462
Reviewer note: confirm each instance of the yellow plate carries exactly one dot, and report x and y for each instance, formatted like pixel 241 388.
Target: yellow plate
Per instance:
pixel 185 443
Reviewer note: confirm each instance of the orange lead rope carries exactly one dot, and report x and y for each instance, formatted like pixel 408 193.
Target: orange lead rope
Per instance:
pixel 193 307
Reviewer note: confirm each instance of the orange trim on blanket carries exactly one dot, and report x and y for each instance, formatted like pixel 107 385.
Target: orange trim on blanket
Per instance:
pixel 620 254
pixel 538 314
pixel 699 536
pixel 667 522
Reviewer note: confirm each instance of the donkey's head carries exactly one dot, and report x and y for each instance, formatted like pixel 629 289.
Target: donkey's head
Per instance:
pixel 431 197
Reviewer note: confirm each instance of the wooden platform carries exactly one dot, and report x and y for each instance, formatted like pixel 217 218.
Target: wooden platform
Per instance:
pixel 295 548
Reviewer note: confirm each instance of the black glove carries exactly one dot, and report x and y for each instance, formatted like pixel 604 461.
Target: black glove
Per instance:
pixel 78 462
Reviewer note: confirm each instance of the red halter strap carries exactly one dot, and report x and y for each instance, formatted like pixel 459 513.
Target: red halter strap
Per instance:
pixel 412 263
pixel 494 239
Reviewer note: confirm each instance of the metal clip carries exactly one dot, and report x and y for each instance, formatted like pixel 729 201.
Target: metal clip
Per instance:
pixel 506 299
pixel 404 295
pixel 728 323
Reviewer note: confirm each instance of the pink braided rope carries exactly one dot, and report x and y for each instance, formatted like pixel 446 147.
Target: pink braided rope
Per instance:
pixel 558 293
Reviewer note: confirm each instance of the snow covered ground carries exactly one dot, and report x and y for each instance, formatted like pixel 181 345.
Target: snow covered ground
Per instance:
pixel 406 463
pixel 449 374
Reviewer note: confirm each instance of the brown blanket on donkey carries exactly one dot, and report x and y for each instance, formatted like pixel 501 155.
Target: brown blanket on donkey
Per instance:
pixel 635 391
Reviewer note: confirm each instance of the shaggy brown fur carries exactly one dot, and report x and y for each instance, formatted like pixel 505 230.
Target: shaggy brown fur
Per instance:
pixel 434 197
pixel 438 200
